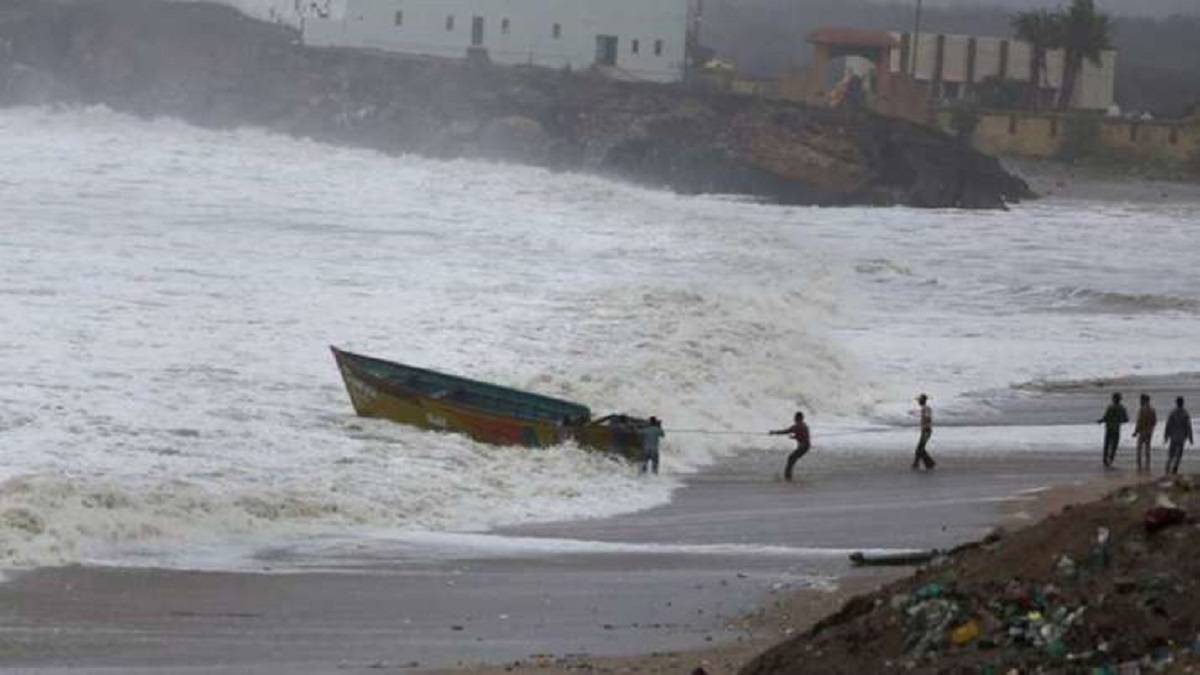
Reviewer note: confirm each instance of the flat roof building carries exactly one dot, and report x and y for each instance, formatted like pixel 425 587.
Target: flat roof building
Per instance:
pixel 955 65
pixel 629 39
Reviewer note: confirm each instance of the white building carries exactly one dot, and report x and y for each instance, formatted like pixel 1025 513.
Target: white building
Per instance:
pixel 955 64
pixel 631 39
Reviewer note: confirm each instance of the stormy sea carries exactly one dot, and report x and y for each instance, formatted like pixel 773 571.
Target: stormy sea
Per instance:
pixel 168 296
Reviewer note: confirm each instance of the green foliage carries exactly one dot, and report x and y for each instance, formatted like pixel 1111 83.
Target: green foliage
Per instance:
pixel 1079 30
pixel 1040 28
pixel 1080 138
pixel 1043 30
pixel 1084 33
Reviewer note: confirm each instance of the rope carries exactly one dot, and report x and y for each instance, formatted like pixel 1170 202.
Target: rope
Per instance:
pixel 715 432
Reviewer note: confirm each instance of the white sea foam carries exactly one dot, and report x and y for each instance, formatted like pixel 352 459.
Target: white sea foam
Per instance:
pixel 167 296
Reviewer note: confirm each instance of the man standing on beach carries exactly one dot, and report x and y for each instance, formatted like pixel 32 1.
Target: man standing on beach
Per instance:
pixel 652 434
pixel 922 455
pixel 1114 417
pixel 1143 430
pixel 798 431
pixel 1178 430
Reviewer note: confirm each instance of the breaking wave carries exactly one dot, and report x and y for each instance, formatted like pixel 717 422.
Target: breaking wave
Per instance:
pixel 183 395
pixel 1095 301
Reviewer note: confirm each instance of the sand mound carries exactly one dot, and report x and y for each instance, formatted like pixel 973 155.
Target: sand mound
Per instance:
pixel 1105 587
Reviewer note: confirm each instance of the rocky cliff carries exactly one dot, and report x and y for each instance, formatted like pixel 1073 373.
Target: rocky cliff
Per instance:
pixel 210 65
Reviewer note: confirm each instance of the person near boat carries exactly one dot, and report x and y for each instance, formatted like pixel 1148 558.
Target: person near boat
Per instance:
pixel 799 432
pixel 652 435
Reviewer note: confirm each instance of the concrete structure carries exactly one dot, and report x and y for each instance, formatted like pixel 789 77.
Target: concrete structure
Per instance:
pixel 630 39
pixel 954 66
pixel 867 55
pixel 1028 134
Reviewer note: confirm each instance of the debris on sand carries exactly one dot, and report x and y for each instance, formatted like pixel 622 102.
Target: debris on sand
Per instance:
pixel 1105 587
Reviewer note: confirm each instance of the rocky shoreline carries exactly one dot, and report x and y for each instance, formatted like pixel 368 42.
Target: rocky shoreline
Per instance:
pixel 209 65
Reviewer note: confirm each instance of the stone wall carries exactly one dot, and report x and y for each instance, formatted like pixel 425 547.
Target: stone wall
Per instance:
pixel 1027 134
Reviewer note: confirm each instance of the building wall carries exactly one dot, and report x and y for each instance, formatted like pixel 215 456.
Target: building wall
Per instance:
pixel 987 58
pixel 995 56
pixel 651 34
pixel 1022 134
pixel 1095 89
pixel 1039 135
pixel 954 58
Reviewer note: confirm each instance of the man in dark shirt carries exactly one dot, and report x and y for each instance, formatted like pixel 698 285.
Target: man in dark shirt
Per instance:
pixel 921 456
pixel 1114 417
pixel 652 435
pixel 1178 430
pixel 798 431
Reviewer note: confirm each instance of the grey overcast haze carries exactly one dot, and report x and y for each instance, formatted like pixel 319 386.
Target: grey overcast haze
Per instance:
pixel 1157 8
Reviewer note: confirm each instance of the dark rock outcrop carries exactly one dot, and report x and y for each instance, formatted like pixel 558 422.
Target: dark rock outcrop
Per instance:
pixel 211 66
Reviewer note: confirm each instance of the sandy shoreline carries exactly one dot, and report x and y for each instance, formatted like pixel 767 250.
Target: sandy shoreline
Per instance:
pixel 718 566
pixel 794 612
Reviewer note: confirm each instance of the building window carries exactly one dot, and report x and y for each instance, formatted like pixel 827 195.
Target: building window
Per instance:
pixel 634 45
pixel 399 19
pixel 449 22
pixel 504 26
pixel 557 31
pixel 658 47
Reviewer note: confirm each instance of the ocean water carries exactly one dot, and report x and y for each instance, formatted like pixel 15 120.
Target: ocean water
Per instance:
pixel 168 296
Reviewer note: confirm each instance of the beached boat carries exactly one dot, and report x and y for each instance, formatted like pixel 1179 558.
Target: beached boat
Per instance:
pixel 483 411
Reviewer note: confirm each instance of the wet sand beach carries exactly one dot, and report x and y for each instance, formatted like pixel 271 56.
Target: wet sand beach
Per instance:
pixel 686 576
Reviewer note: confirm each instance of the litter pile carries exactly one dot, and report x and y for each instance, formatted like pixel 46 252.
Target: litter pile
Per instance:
pixel 1104 588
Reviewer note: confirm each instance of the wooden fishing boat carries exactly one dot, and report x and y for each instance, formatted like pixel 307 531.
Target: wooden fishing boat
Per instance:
pixel 485 412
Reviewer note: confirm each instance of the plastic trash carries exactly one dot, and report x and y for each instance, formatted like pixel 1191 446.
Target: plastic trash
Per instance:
pixel 1165 502
pixel 930 590
pixel 965 633
pixel 1056 648
pixel 1161 517
pixel 1100 554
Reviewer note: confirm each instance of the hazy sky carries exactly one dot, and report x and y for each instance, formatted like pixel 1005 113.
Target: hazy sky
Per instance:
pixel 1141 7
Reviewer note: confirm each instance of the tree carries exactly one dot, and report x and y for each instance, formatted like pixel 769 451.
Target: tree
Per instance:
pixel 1085 34
pixel 1042 30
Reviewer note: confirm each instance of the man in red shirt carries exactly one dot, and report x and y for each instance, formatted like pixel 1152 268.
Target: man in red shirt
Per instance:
pixel 798 431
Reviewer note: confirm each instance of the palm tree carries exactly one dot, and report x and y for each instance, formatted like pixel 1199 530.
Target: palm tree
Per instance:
pixel 1086 34
pixel 1041 30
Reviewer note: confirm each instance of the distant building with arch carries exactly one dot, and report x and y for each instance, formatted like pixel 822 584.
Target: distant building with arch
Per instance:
pixel 628 39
